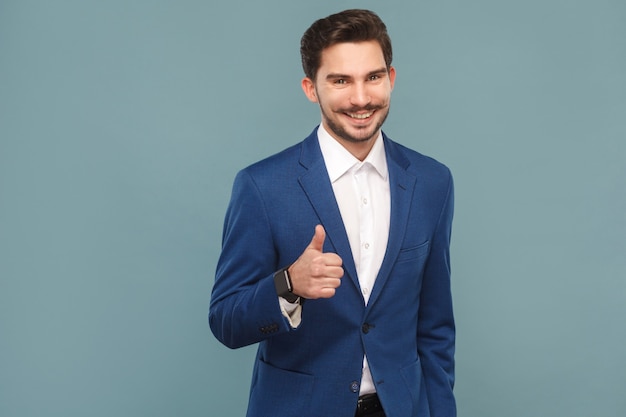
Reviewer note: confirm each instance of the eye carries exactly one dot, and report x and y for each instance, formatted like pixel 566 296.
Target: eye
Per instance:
pixel 374 77
pixel 340 81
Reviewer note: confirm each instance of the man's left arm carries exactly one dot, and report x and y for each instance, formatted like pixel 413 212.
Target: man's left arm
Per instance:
pixel 436 329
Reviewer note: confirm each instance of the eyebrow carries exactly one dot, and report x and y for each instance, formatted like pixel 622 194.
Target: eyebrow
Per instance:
pixel 334 76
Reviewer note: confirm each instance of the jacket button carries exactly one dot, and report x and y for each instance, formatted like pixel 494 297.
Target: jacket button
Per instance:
pixel 366 328
pixel 354 386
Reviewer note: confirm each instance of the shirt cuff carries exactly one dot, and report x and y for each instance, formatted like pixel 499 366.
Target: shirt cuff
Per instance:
pixel 292 311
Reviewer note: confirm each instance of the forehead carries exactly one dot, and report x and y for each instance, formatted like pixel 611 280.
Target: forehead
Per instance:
pixel 352 58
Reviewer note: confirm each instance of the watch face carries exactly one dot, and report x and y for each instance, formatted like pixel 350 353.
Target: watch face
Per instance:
pixel 283 286
pixel 288 280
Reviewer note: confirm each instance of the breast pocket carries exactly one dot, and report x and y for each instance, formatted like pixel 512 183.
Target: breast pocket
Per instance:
pixel 414 253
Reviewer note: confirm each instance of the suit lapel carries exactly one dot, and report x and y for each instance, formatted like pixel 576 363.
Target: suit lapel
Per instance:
pixel 401 187
pixel 319 190
pixel 317 187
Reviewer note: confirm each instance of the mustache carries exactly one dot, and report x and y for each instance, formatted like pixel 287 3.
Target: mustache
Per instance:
pixel 369 107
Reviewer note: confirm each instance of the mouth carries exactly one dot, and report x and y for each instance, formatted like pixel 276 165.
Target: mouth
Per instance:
pixel 361 116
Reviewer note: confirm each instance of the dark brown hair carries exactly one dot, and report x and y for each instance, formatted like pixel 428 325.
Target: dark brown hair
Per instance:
pixel 355 25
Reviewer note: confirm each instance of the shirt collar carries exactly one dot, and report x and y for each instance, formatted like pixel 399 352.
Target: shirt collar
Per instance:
pixel 339 161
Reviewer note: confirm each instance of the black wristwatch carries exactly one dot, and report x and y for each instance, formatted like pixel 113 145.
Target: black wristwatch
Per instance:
pixel 282 282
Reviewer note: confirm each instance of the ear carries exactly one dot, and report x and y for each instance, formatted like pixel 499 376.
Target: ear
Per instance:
pixel 308 86
pixel 392 76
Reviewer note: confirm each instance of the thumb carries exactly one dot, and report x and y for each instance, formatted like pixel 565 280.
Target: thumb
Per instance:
pixel 317 242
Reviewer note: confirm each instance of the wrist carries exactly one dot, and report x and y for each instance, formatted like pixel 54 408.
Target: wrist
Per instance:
pixel 284 286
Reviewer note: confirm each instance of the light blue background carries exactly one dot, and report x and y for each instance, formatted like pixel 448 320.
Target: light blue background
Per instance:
pixel 123 123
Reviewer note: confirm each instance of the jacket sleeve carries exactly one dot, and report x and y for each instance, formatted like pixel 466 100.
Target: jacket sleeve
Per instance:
pixel 436 329
pixel 244 307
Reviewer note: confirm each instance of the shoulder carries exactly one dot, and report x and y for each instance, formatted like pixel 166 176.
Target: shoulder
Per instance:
pixel 415 162
pixel 274 163
pixel 285 164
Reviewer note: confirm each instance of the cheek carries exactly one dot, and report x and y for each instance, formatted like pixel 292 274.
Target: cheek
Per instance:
pixel 382 95
pixel 331 95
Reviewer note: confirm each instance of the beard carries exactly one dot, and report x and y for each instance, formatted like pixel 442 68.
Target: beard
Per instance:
pixel 340 132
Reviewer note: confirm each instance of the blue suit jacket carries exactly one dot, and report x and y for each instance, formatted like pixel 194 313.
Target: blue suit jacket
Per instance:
pixel 407 327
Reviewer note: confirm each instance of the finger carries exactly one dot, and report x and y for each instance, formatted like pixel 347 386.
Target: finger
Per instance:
pixel 335 272
pixel 326 293
pixel 331 259
pixel 317 242
pixel 331 283
pixel 320 269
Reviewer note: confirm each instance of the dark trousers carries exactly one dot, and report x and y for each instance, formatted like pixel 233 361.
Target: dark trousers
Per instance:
pixel 377 414
pixel 369 406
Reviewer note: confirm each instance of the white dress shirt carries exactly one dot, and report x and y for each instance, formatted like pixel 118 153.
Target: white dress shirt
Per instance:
pixel 361 189
pixel 362 193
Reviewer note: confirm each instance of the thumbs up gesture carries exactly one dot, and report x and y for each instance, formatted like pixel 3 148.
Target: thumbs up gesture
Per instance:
pixel 316 274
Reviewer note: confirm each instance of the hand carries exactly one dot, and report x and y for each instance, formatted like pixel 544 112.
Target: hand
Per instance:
pixel 316 274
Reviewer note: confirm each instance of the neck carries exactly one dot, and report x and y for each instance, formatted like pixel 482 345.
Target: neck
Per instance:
pixel 359 150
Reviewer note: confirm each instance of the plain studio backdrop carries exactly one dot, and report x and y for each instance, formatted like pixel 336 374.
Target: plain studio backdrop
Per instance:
pixel 123 123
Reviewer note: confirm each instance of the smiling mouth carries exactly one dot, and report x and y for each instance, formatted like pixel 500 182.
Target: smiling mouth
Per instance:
pixel 360 116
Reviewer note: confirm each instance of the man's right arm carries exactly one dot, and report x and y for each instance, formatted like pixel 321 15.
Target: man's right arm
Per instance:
pixel 244 307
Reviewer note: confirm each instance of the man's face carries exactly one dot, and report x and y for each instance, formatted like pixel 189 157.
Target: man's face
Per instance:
pixel 353 89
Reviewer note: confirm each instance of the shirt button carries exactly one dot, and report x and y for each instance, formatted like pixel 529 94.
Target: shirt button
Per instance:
pixel 366 246
pixel 365 201
pixel 365 291
pixel 354 386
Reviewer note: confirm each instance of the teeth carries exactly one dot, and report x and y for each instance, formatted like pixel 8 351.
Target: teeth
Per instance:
pixel 360 116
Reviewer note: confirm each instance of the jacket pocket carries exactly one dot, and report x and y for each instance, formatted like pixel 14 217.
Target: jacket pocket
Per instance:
pixel 413 253
pixel 412 375
pixel 278 392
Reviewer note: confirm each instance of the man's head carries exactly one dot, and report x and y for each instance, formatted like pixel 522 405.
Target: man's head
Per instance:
pixel 347 62
pixel 348 26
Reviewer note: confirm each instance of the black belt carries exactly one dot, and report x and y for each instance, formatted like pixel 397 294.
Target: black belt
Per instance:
pixel 368 404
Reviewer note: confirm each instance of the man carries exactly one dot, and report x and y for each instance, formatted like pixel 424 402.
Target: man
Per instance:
pixel 335 254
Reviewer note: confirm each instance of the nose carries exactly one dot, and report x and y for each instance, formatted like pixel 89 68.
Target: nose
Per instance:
pixel 360 95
